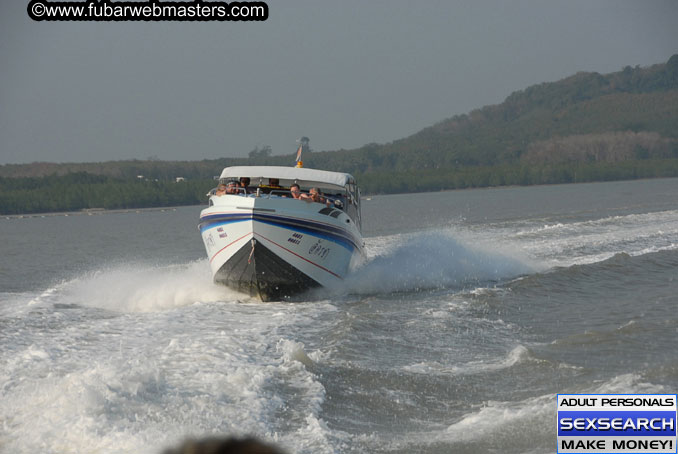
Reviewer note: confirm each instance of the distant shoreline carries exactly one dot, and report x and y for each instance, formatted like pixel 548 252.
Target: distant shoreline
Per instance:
pixel 103 211
pixel 90 212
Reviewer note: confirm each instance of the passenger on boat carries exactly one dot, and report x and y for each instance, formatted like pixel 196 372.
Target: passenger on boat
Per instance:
pixel 295 190
pixel 274 183
pixel 221 190
pixel 244 183
pixel 314 195
pixel 232 187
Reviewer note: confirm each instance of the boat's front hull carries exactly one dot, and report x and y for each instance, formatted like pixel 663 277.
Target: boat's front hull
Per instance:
pixel 258 271
pixel 276 254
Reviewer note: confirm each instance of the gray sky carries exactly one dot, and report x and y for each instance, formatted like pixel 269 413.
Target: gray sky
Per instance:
pixel 342 73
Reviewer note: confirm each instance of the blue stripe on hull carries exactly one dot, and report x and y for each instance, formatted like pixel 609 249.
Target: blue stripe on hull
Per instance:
pixel 324 231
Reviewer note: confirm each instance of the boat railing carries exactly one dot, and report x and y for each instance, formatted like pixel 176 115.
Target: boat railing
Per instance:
pixel 277 193
pixel 238 191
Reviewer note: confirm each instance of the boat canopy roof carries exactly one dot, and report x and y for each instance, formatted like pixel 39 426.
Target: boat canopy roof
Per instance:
pixel 288 175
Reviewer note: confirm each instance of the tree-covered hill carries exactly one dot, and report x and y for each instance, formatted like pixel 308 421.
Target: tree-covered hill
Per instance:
pixel 634 99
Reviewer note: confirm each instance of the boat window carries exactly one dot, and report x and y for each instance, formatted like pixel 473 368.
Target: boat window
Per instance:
pixel 359 211
pixel 352 207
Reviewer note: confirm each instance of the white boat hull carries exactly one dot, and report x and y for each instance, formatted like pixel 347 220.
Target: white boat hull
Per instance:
pixel 276 248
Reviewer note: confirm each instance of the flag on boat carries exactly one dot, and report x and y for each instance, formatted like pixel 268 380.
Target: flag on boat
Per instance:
pixel 299 153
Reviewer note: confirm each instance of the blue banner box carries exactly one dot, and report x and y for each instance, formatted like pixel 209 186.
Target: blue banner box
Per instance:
pixel 615 423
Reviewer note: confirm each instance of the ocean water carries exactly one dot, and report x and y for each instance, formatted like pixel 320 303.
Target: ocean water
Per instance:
pixel 473 310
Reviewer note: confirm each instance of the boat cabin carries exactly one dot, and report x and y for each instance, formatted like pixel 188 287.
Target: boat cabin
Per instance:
pixel 339 189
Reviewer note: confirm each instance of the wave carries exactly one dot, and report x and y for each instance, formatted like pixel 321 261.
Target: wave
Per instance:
pixel 665 218
pixel 432 260
pixel 518 355
pixel 143 288
pixel 595 240
pixel 456 257
pixel 138 383
pixel 617 267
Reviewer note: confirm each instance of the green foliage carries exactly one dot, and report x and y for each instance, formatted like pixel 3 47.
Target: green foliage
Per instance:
pixel 635 99
pixel 82 190
pixel 260 153
pixel 426 180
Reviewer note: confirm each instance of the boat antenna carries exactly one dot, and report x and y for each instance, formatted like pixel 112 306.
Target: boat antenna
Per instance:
pixel 303 142
pixel 300 163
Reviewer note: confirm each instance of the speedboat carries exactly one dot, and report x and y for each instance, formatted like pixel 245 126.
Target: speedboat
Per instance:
pixel 272 243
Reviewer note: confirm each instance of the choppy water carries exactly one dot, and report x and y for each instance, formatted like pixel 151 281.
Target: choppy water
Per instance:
pixel 474 309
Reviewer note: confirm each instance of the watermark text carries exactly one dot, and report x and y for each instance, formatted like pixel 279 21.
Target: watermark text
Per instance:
pixel 152 10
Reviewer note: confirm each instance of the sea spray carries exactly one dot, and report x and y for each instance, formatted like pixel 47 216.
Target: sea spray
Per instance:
pixel 432 260
pixel 143 288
